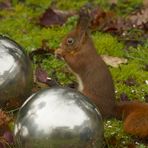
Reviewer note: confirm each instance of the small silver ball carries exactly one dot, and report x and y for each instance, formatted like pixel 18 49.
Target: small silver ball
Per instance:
pixel 58 118
pixel 15 72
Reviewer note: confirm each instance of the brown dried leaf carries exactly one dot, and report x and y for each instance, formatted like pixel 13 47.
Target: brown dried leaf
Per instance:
pixel 108 21
pixel 124 97
pixel 130 81
pixel 53 17
pixel 13 104
pixel 5 5
pixel 139 19
pixel 132 42
pixel 42 76
pixel 113 61
pixel 101 19
pixel 4 119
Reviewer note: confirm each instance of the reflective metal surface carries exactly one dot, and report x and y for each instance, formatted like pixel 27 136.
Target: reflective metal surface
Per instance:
pixel 15 72
pixel 58 118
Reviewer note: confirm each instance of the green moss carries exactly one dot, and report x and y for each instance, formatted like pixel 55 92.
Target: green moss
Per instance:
pixel 64 4
pixel 107 44
pixel 21 24
pixel 115 136
pixel 126 7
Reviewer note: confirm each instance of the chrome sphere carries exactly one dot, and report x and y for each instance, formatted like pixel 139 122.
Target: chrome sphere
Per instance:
pixel 15 72
pixel 58 118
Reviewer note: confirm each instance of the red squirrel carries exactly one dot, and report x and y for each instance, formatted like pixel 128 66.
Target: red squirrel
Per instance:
pixel 95 80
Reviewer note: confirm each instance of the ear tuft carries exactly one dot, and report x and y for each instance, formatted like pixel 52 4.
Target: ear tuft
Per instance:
pixel 84 13
pixel 84 18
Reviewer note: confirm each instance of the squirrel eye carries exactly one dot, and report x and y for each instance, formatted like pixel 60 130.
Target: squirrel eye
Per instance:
pixel 70 41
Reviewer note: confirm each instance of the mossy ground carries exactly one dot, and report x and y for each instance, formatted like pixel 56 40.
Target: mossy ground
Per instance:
pixel 21 24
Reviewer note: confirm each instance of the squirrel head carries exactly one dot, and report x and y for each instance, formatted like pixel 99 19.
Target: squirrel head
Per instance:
pixel 73 43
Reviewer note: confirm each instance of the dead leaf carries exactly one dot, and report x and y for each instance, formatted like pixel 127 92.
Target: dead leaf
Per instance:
pixel 13 104
pixel 108 21
pixel 139 19
pixel 130 82
pixel 5 5
pixel 4 119
pixel 133 43
pixel 103 21
pixel 8 136
pixel 42 76
pixel 113 61
pixel 124 97
pixel 53 17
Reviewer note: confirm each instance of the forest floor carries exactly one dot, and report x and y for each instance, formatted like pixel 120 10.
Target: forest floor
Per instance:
pixel 119 31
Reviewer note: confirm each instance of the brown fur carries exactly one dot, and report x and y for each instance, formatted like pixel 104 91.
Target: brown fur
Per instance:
pixel 82 58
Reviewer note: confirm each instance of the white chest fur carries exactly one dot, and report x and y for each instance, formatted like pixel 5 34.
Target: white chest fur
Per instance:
pixel 80 87
pixel 80 83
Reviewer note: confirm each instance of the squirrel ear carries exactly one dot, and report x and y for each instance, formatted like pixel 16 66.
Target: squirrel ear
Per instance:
pixel 84 20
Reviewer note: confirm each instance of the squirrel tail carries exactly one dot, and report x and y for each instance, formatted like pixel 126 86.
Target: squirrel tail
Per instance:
pixel 135 117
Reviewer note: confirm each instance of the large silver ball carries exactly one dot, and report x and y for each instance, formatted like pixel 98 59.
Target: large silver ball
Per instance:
pixel 58 118
pixel 15 72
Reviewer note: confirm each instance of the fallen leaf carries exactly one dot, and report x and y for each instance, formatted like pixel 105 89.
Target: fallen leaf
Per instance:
pixel 131 42
pixel 113 61
pixel 108 21
pixel 42 76
pixel 4 119
pixel 8 136
pixel 5 5
pixel 102 20
pixel 130 82
pixel 124 97
pixel 53 17
pixel 7 139
pixel 139 19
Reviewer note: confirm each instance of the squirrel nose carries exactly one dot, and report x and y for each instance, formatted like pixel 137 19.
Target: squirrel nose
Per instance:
pixel 58 53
